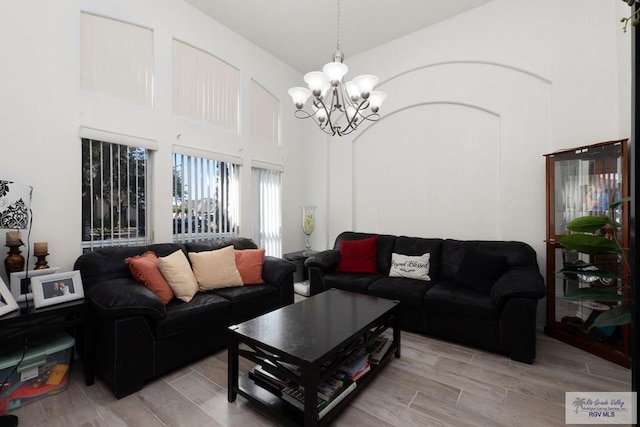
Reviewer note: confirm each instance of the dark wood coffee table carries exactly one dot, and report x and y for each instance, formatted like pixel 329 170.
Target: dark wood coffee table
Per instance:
pixel 315 335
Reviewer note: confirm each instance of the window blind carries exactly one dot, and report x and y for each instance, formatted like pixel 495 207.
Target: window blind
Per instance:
pixel 116 59
pixel 267 211
pixel 265 113
pixel 205 88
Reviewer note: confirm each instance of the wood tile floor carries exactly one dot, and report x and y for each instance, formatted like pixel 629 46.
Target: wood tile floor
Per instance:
pixel 434 383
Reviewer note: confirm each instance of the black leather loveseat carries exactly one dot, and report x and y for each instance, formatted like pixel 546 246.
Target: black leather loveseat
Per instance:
pixel 138 338
pixel 501 317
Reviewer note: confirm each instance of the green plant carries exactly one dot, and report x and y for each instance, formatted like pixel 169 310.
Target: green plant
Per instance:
pixel 634 18
pixel 597 237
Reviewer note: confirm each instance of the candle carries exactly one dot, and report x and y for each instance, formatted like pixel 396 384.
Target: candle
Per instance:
pixel 40 248
pixel 13 238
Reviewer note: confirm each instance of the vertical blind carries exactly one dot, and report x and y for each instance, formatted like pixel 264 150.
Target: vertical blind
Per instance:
pixel 205 198
pixel 267 211
pixel 265 113
pixel 116 59
pixel 205 88
pixel 114 194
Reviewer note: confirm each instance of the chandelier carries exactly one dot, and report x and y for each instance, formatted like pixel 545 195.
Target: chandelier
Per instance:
pixel 338 107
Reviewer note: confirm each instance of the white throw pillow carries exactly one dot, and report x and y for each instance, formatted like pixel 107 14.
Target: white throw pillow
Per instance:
pixel 176 270
pixel 215 269
pixel 411 267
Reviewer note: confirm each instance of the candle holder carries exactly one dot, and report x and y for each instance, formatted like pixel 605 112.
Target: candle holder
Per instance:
pixel 14 262
pixel 41 264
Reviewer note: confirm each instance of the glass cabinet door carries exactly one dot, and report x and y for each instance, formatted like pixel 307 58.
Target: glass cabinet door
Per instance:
pixel 586 181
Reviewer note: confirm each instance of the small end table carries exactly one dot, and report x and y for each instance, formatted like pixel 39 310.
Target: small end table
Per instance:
pixel 302 273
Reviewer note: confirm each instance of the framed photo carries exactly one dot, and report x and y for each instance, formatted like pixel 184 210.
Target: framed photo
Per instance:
pixel 56 288
pixel 7 302
pixel 21 285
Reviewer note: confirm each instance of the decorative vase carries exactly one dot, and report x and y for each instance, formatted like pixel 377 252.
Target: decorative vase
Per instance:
pixel 308 225
pixel 14 262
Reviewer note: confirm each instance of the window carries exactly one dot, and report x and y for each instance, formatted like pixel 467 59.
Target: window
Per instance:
pixel 205 88
pixel 205 198
pixel 116 59
pixel 267 212
pixel 115 181
pixel 265 113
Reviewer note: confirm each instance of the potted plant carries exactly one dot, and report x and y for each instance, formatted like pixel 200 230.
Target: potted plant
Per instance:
pixel 597 237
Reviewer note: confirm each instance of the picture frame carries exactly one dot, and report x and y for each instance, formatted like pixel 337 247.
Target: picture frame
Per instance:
pixel 53 289
pixel 7 301
pixel 20 283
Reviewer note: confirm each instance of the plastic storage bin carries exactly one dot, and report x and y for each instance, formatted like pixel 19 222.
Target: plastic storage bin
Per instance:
pixel 43 371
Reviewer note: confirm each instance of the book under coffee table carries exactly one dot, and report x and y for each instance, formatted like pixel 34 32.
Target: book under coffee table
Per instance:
pixel 304 344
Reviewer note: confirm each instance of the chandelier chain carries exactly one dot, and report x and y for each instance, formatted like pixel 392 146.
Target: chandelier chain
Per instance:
pixel 338 27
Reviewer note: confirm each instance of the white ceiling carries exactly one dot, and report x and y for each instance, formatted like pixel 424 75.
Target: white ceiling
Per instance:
pixel 302 33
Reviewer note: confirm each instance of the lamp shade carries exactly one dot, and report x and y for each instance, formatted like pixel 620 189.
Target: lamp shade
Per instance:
pixel 335 71
pixel 299 95
pixel 376 99
pixel 15 202
pixel 352 91
pixel 321 114
pixel 365 84
pixel 316 80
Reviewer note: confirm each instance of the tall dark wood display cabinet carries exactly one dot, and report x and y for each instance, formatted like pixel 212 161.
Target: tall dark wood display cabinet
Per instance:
pixel 583 181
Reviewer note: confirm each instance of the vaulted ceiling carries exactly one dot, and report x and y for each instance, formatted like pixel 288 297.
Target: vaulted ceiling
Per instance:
pixel 303 33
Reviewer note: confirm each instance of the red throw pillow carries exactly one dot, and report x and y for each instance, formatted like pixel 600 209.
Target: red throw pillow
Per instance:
pixel 358 256
pixel 144 269
pixel 249 263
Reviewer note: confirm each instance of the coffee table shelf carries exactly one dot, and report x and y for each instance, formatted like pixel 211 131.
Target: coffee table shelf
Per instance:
pixel 276 337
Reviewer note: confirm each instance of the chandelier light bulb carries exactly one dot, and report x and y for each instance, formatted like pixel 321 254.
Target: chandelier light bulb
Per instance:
pixel 321 114
pixel 299 95
pixel 376 99
pixel 352 91
pixel 316 80
pixel 365 84
pixel 335 71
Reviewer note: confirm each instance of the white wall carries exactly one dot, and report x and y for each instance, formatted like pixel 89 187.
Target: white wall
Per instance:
pixel 474 103
pixel 42 108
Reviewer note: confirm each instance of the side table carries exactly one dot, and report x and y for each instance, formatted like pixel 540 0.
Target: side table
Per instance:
pixel 301 274
pixel 73 314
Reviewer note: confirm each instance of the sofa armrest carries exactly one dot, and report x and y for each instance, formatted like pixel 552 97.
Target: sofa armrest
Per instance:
pixel 275 270
pixel 325 260
pixel 523 283
pixel 124 297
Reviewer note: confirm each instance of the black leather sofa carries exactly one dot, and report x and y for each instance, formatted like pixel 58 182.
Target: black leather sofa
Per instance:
pixel 501 320
pixel 137 338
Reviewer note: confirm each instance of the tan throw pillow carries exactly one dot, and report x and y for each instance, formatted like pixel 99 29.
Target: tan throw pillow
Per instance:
pixel 176 270
pixel 215 269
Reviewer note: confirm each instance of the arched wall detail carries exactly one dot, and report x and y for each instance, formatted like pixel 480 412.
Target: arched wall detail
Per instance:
pixel 475 126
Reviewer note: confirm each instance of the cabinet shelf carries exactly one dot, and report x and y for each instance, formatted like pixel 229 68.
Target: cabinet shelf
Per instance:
pixel 580 182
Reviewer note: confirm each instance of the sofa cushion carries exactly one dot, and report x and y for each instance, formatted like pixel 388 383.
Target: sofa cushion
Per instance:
pixel 358 256
pixel 144 269
pixel 204 308
pixel 249 301
pixel 418 246
pixel 250 263
pixel 385 246
pixel 176 269
pixel 354 282
pixel 411 267
pixel 209 245
pixel 452 299
pixel 479 271
pixel 409 292
pixel 215 269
